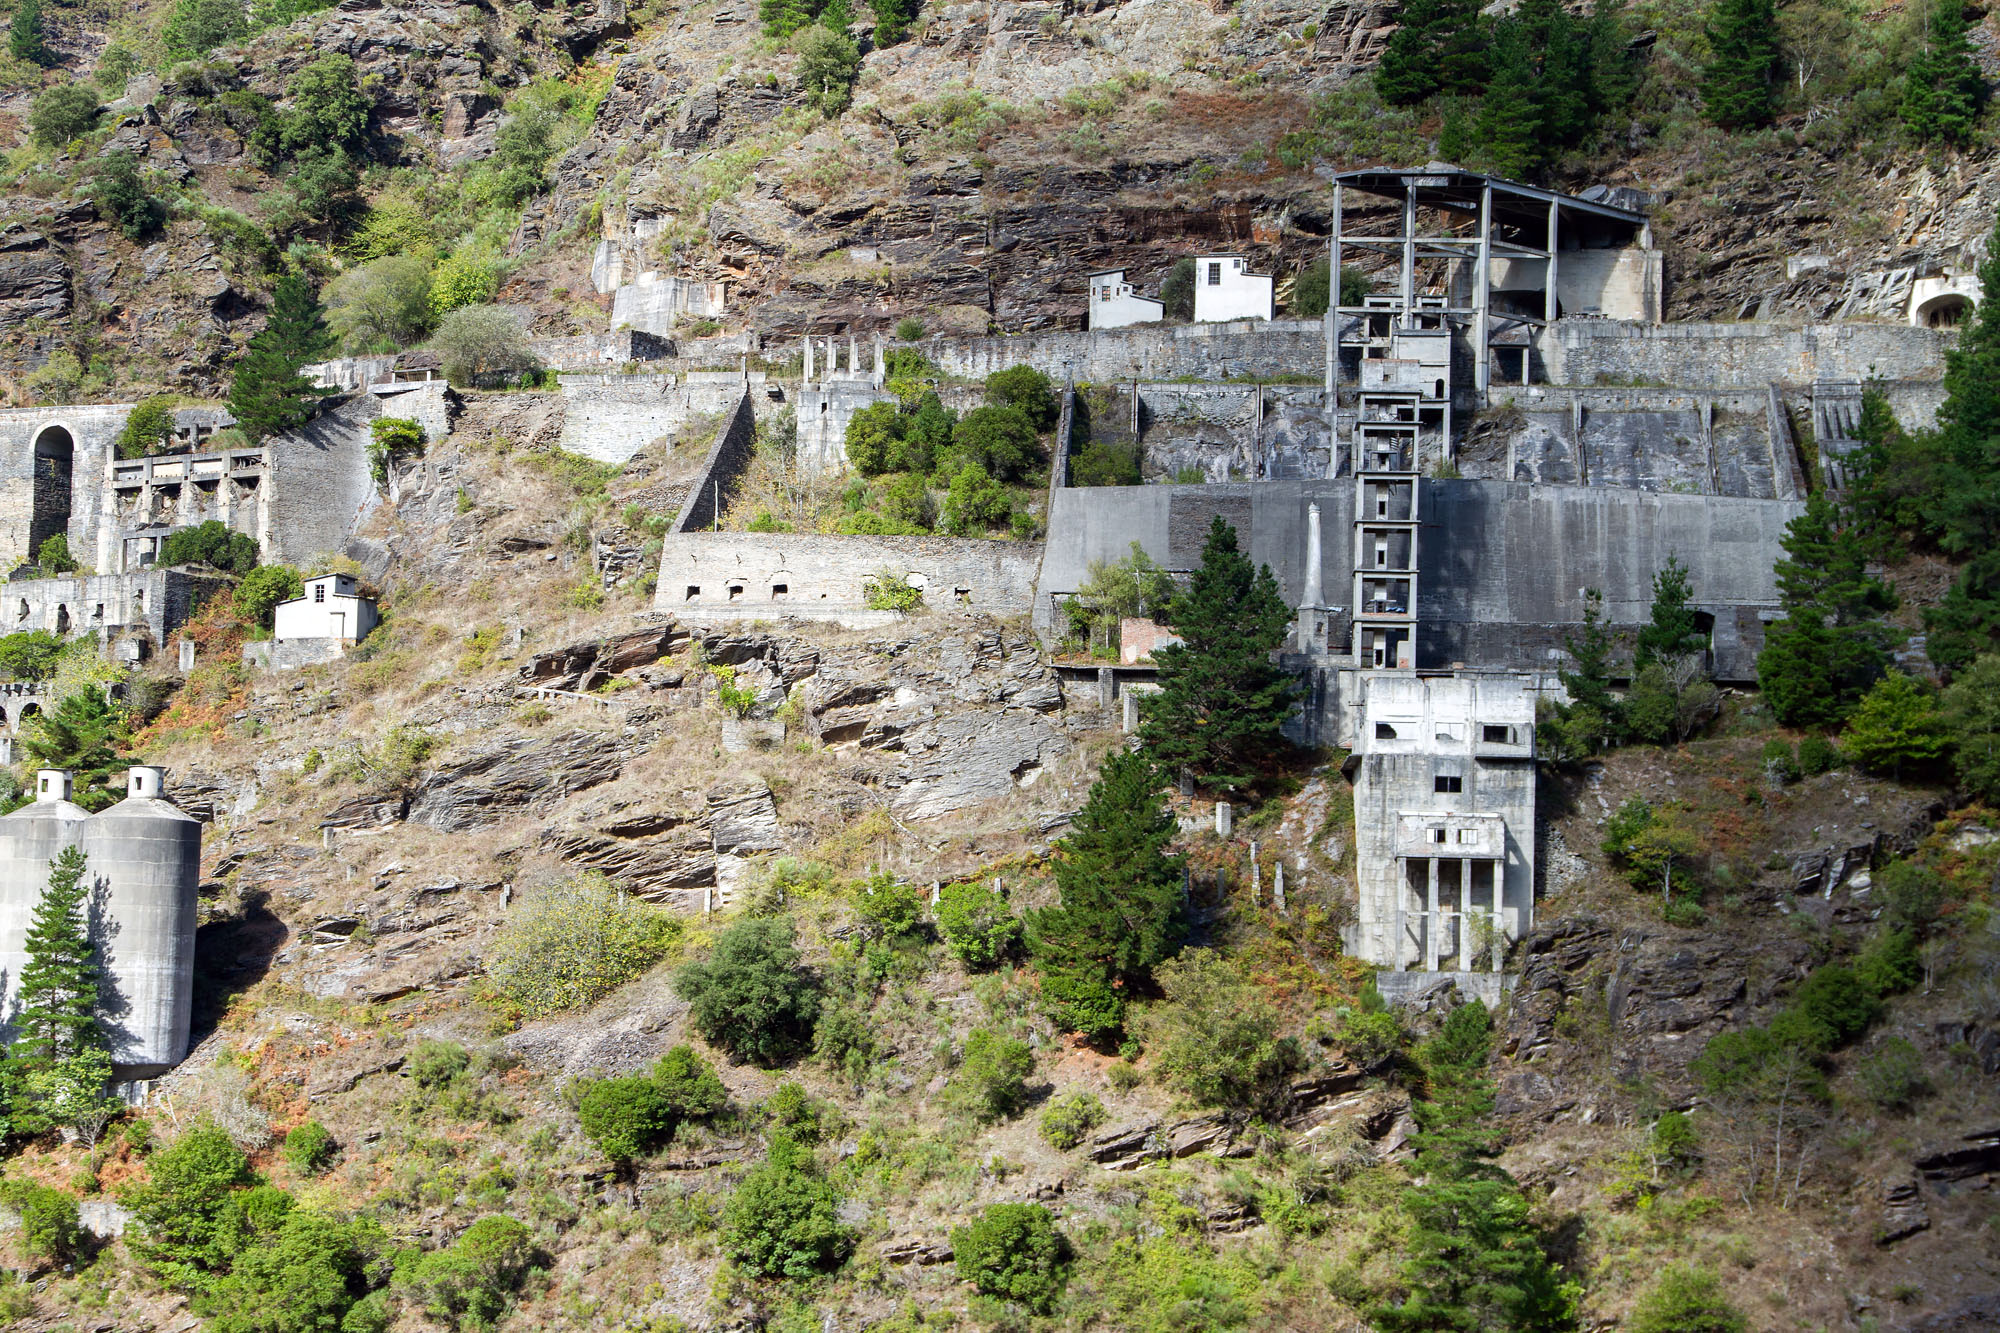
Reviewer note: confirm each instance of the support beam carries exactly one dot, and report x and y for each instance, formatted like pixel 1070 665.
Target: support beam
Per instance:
pixel 1464 941
pixel 1333 338
pixel 1431 919
pixel 1482 298
pixel 1499 917
pixel 1549 299
pixel 1409 287
pixel 1402 900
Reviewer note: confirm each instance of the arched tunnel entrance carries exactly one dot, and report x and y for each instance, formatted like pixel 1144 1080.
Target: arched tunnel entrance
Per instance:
pixel 55 456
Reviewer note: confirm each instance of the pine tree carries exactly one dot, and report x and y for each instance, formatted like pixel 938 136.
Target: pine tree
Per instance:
pixel 1507 128
pixel 1821 658
pixel 1673 632
pixel 65 1062
pixel 1475 1261
pixel 24 34
pixel 1439 46
pixel 297 323
pixel 1592 719
pixel 1943 92
pixel 1120 912
pixel 1223 701
pixel 1739 85
pixel 1897 726
pixel 80 735
pixel 268 394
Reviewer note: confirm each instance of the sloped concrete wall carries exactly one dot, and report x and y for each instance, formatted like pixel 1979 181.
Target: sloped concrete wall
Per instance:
pixel 1740 356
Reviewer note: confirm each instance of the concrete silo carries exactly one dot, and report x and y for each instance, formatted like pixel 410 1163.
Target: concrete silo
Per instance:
pixel 29 839
pixel 145 861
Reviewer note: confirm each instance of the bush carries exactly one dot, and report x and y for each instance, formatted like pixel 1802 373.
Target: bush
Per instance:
pixel 796 1116
pixel 1027 391
pixel 892 910
pixel 53 556
pixel 390 438
pixel 382 306
pixel 474 341
pixel 1685 1299
pixel 63 113
pixel 690 1087
pixel 873 437
pixel 1912 893
pixel 890 591
pixel 471 1283
pixel 909 329
pixel 784 1219
pixel 1106 463
pixel 49 1227
pixel 305 1276
pixel 1013 1251
pixel 1781 762
pixel 1002 440
pixel 149 427
pixel 117 190
pixel 1830 1006
pixel 991 1082
pixel 1069 1120
pixel 828 65
pixel 573 943
pixel 211 543
pixel 437 1064
pixel 624 1117
pixel 1818 755
pixel 1888 964
pixel 976 503
pixel 30 654
pixel 1897 726
pixel 753 997
pixel 196 27
pixel 259 592
pixel 462 280
pixel 309 1148
pixel 1215 1038
pixel 977 925
pixel 1177 290
pixel 184 1223
pixel 1892 1074
pixel 1370 1037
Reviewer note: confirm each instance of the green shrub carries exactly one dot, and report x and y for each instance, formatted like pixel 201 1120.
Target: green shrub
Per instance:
pixel 1830 1006
pixel 1888 964
pixel 1026 390
pixel 991 1081
pixel 62 113
pixel 1911 892
pixel 1215 1038
pixel 1781 760
pixel 148 428
pixel 184 1223
pixel 1370 1037
pixel 309 1148
pixel 977 925
pixel 1069 1120
pixel 116 189
pixel 1106 463
pixel 784 1219
pixel 436 1064
pixel 461 280
pixel 1892 1074
pixel 196 27
pixel 795 1115
pixel 391 438
pixel 1685 1299
pixel 477 342
pixel 380 306
pixel 305 1276
pixel 690 1087
pixel 1013 1251
pixel 470 1284
pixel 53 555
pixel 30 654
pixel 909 329
pixel 572 943
pixel 210 543
pixel 49 1227
pixel 1818 755
pixel 890 591
pixel 259 592
pixel 1002 440
pixel 753 997
pixel 624 1117
pixel 892 910
pixel 828 65
pixel 975 504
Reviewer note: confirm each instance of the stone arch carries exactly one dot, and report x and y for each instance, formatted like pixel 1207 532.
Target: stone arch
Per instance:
pixel 1944 311
pixel 55 462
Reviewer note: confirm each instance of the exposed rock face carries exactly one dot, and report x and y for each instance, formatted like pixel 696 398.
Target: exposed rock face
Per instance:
pixel 1903 1211
pixel 584 666
pixel 1975 1154
pixel 743 818
pixel 512 777
pixel 34 279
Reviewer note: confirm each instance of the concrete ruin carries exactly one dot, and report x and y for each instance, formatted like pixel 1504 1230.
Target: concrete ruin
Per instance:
pixel 741 576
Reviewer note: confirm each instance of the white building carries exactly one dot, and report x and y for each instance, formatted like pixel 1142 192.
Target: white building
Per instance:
pixel 1225 288
pixel 1113 304
pixel 332 613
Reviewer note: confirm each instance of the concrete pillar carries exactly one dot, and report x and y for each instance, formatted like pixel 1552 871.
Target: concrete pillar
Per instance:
pixel 1107 687
pixel 1549 299
pixel 1431 918
pixel 808 376
pixel 1499 918
pixel 1402 901
pixel 6 750
pixel 999 888
pixel 1225 819
pixel 187 655
pixel 1278 887
pixel 1130 719
pixel 1482 300
pixel 853 356
pixel 1256 875
pixel 1464 916
pixel 936 889
pixel 1314 594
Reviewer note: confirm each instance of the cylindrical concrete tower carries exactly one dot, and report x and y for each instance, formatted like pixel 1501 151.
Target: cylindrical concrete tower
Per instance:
pixel 145 858
pixel 29 839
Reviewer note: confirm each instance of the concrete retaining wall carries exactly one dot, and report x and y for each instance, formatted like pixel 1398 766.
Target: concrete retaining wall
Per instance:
pixel 1739 356
pixel 734 446
pixel 611 417
pixel 1239 349
pixel 735 575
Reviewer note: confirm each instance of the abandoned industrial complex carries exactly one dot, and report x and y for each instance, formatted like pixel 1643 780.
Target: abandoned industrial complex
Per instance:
pixel 1437 476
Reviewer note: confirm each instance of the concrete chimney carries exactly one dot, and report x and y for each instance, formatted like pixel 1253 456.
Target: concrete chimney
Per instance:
pixel 52 784
pixel 149 780
pixel 1313 595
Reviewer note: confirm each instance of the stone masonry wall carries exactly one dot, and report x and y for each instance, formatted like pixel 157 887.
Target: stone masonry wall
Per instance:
pixel 611 417
pixel 93 431
pixel 734 446
pixel 1239 349
pixel 733 575
pixel 320 485
pixel 1741 356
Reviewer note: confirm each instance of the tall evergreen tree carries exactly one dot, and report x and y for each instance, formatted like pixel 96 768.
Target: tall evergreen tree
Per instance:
pixel 80 735
pixel 1830 647
pixel 1120 912
pixel 1439 46
pixel 65 1061
pixel 1673 631
pixel 25 36
pixel 1223 701
pixel 1943 91
pixel 268 394
pixel 1569 733
pixel 1739 84
pixel 1507 128
pixel 1474 1260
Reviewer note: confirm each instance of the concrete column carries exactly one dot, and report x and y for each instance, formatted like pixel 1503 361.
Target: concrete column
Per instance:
pixel 808 377
pixel 1402 898
pixel 1278 887
pixel 1499 919
pixel 853 356
pixel 1333 334
pixel 187 655
pixel 1408 289
pixel 1256 875
pixel 1549 302
pixel 936 890
pixel 1314 594
pixel 1481 299
pixel 1225 819
pixel 881 363
pixel 1465 916
pixel 1431 918
pixel 1107 687
pixel 1130 717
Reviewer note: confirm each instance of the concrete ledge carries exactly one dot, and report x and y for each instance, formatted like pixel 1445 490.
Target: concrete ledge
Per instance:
pixel 1404 988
